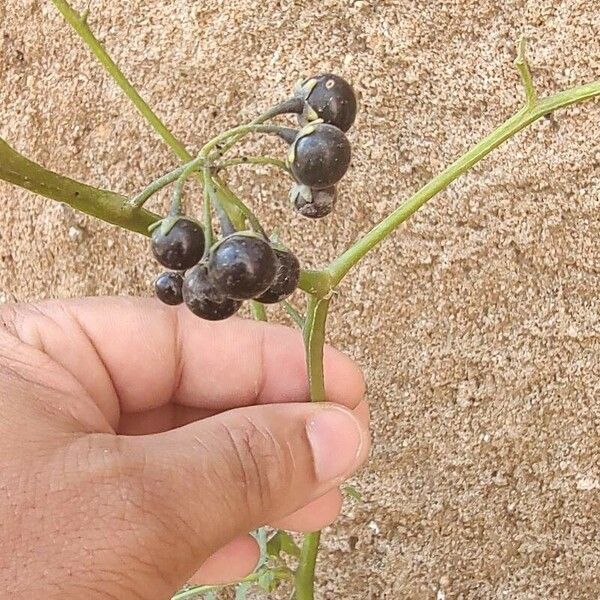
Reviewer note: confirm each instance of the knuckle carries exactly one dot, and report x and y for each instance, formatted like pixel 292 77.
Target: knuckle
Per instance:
pixel 260 463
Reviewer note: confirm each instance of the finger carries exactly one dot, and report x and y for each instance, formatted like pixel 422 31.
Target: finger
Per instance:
pixel 314 516
pixel 231 563
pixel 238 470
pixel 133 355
pixel 324 510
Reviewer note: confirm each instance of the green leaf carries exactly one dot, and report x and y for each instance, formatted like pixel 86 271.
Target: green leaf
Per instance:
pixel 241 591
pixel 351 491
pixel 282 541
pixel 268 580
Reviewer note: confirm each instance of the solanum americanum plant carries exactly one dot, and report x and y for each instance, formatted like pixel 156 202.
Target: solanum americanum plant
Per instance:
pixel 215 270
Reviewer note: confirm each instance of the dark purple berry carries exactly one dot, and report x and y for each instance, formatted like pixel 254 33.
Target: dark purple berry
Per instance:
pixel 320 155
pixel 286 278
pixel 313 204
pixel 202 298
pixel 181 247
pixel 242 266
pixel 332 99
pixel 167 287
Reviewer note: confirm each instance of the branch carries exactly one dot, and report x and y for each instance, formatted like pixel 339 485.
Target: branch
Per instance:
pixel 79 24
pixel 527 115
pixel 525 72
pixel 102 204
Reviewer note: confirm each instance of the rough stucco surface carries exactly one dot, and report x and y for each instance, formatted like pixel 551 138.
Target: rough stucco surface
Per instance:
pixel 478 323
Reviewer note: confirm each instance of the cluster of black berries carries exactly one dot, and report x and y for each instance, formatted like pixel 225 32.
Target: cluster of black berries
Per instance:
pixel 241 266
pixel 245 265
pixel 320 155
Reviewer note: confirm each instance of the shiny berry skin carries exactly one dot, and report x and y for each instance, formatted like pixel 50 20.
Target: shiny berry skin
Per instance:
pixel 333 100
pixel 313 204
pixel 320 157
pixel 286 278
pixel 202 298
pixel 167 287
pixel 182 247
pixel 242 266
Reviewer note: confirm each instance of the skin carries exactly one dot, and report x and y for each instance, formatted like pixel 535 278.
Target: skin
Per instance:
pixel 139 445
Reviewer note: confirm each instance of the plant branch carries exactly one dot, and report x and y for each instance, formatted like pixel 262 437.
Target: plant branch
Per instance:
pixel 305 575
pixel 527 115
pixel 102 204
pixel 79 24
pixel 314 342
pixel 524 70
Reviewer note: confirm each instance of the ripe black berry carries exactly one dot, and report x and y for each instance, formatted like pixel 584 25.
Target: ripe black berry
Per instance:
pixel 167 287
pixel 313 204
pixel 320 155
pixel 286 278
pixel 202 298
pixel 332 99
pixel 242 266
pixel 179 247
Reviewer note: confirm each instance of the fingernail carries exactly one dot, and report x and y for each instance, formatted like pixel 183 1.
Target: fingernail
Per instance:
pixel 336 439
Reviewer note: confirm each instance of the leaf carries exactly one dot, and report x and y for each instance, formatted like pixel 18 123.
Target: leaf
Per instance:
pixel 268 580
pixel 351 491
pixel 241 591
pixel 282 541
pixel 260 535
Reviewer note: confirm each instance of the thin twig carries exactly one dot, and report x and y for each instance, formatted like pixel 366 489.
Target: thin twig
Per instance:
pixel 524 70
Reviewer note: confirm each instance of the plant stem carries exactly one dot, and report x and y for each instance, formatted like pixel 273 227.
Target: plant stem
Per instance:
pixel 102 204
pixel 79 24
pixel 305 574
pixel 258 311
pixel 314 342
pixel 235 201
pixel 157 185
pixel 251 160
pixel 527 115
pixel 294 314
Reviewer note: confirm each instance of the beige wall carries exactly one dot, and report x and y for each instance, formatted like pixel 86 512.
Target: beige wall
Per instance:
pixel 478 323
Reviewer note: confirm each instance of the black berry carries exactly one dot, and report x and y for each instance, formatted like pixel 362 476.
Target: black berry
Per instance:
pixel 286 278
pixel 167 287
pixel 320 155
pixel 313 204
pixel 202 298
pixel 332 99
pixel 242 266
pixel 181 247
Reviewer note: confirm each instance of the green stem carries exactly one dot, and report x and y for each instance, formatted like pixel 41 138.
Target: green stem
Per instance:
pixel 232 198
pixel 79 24
pixel 102 204
pixel 157 185
pixel 316 283
pixel 188 169
pixel 258 311
pixel 252 160
pixel 207 221
pixel 314 341
pixel 527 115
pixel 305 574
pixel 294 314
pixel 291 105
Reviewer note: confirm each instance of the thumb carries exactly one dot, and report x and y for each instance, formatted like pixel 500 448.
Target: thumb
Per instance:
pixel 238 470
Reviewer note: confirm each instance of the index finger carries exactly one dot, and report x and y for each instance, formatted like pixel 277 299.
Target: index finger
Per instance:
pixel 142 355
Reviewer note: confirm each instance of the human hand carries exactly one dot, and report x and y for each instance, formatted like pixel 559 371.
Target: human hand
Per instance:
pixel 139 445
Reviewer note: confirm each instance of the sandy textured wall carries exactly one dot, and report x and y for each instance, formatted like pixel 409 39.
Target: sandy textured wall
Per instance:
pixel 478 323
